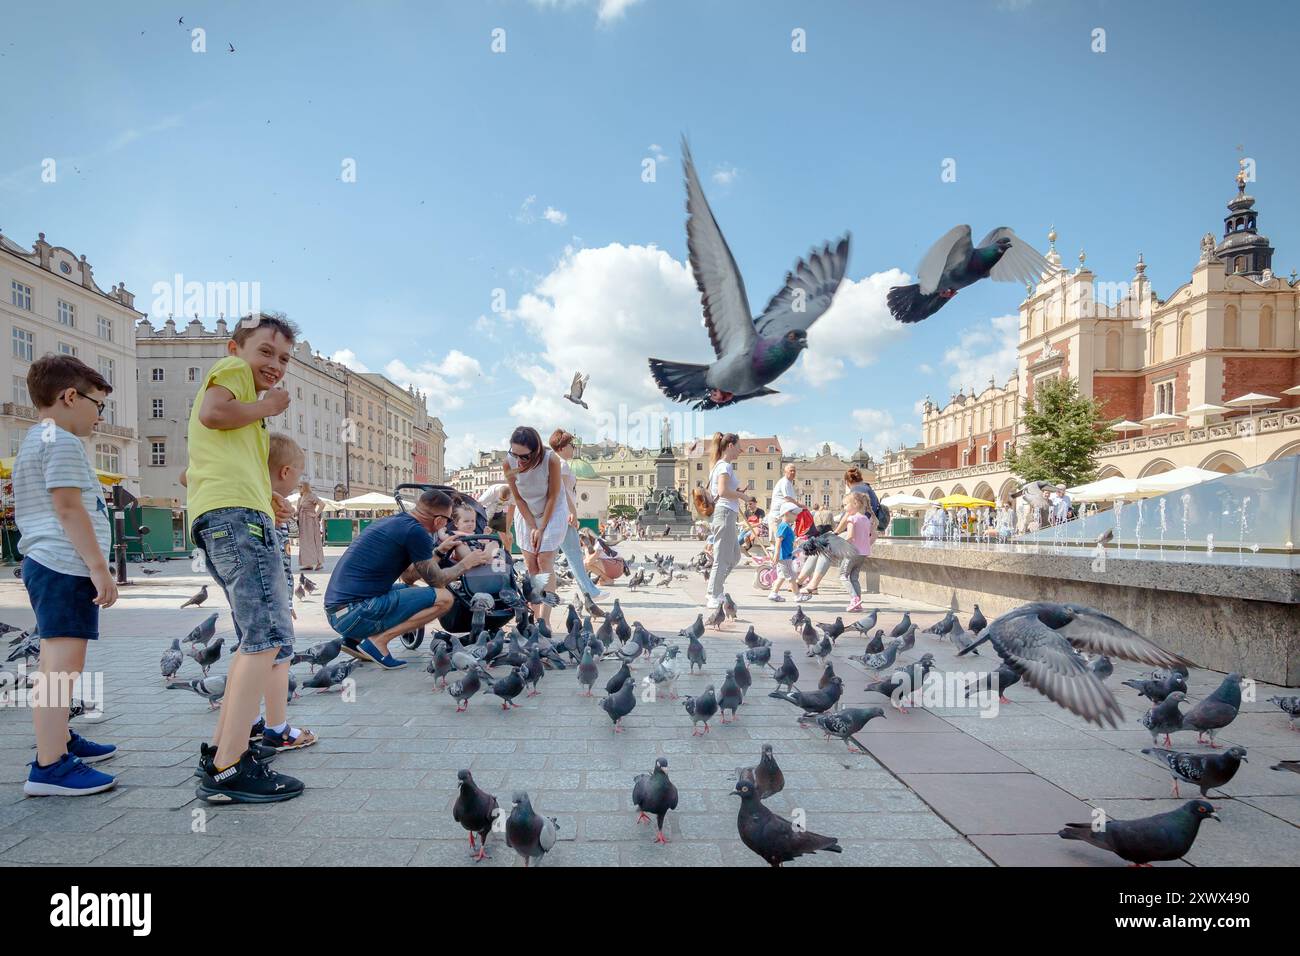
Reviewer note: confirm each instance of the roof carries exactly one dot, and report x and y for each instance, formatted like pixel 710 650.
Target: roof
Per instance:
pixel 581 468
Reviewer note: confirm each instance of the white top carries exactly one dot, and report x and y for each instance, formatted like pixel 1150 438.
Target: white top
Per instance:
pixel 534 484
pixel 492 502
pixel 784 489
pixel 715 485
pixel 50 458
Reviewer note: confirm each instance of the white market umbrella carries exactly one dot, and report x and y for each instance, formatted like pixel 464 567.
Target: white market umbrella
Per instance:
pixel 1176 479
pixel 1293 390
pixel 905 502
pixel 1206 408
pixel 1164 418
pixel 1250 400
pixel 1113 488
pixel 371 501
pixel 1126 426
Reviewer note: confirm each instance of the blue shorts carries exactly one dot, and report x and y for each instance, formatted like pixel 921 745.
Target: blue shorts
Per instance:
pixel 242 553
pixel 361 619
pixel 64 603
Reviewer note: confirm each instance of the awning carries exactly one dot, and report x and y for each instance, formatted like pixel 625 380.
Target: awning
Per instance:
pixel 105 477
pixel 370 501
pixel 905 502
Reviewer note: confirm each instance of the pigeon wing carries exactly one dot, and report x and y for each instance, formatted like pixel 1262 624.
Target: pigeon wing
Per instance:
pixel 722 293
pixel 1021 263
pixel 952 248
pixel 807 293
pixel 1048 664
pixel 1099 633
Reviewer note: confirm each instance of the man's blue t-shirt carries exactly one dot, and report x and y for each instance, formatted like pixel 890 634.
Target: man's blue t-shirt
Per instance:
pixel 785 538
pixel 373 562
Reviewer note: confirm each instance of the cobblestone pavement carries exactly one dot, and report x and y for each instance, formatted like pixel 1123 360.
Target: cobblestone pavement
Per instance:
pixel 943 786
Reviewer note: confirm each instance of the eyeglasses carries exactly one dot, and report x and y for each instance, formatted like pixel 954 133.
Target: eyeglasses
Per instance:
pixel 99 405
pixel 524 457
pixel 443 517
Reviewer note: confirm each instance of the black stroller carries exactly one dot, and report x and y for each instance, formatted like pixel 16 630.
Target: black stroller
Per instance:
pixel 480 580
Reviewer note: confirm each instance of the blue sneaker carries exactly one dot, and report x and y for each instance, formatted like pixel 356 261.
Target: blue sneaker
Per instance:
pixel 87 751
pixel 68 777
pixel 367 651
pixel 390 663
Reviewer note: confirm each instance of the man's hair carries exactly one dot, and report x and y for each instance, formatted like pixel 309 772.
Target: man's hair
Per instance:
pixel 263 320
pixel 435 500
pixel 284 451
pixel 51 374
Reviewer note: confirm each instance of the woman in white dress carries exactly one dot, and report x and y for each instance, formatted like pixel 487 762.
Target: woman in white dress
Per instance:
pixel 541 507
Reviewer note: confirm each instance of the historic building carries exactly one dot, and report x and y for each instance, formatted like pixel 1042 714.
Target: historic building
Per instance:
pixel 1162 367
pixel 51 303
pixel 759 463
pixel 819 479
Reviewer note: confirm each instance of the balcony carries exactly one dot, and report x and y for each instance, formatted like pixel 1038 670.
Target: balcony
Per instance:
pixel 1287 419
pixel 28 413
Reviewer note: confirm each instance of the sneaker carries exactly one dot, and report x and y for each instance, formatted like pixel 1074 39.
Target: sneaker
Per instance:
pixel 277 742
pixel 351 648
pixel 88 751
pixel 803 596
pixel 600 595
pixel 712 604
pixel 390 663
pixel 854 605
pixel 773 596
pixel 207 754
pixel 367 651
pixel 248 781
pixel 67 777
pixel 259 728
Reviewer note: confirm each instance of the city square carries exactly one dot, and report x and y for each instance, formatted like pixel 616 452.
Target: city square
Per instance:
pixel 463 453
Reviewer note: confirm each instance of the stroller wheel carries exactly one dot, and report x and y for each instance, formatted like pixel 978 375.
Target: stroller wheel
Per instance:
pixel 413 639
pixel 765 578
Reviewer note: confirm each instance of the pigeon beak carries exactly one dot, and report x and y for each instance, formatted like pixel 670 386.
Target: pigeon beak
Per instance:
pixel 1215 816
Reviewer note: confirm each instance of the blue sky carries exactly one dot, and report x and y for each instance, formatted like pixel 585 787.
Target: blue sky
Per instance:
pixel 228 167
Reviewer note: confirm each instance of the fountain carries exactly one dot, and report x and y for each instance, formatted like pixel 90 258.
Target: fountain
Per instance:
pixel 1187 505
pixel 1162 529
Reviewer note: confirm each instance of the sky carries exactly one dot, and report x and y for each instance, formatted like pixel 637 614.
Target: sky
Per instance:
pixel 481 198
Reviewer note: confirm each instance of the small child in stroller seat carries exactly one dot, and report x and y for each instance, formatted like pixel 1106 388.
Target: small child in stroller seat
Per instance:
pixel 463 518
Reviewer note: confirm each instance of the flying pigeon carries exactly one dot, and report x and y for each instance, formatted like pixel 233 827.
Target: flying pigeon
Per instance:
pixel 1101 666
pixel 1204 770
pixel 576 389
pixel 529 835
pixel 953 263
pixel 1213 713
pixel 701 710
pixel 774 838
pixel 1165 836
pixel 654 793
pixel 751 352
pixel 765 776
pixel 172 659
pixel 197 599
pixel 847 722
pixel 619 704
pixel 203 632
pixel 476 810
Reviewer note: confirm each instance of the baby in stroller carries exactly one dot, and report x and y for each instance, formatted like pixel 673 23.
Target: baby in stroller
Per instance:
pixel 464 522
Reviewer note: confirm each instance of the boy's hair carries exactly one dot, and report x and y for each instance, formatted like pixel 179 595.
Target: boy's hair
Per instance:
pixel 284 451
pixel 51 374
pixel 274 320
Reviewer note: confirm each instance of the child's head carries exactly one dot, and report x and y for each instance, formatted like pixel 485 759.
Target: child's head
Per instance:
pixel 562 443
pixel 69 391
pixel 855 503
pixel 787 514
pixel 286 462
pixel 464 517
pixel 265 342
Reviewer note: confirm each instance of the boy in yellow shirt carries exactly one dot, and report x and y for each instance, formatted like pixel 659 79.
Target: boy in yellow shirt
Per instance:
pixel 232 509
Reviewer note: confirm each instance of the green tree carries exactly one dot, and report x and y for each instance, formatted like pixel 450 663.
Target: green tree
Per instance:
pixel 622 511
pixel 1065 430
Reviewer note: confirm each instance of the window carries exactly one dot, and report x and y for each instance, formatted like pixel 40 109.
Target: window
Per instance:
pixel 106 458
pixel 66 349
pixel 1184 334
pixel 20 294
pixel 20 390
pixel 300 393
pixel 106 370
pixel 751 466
pixel 315 428
pixel 769 466
pixel 769 484
pixel 157 408
pixel 104 328
pixel 24 344
pixel 301 430
pixel 110 411
pixel 157 453
pixel 1164 397
pixel 1239 264
pixel 192 373
pixel 157 375
pixel 67 314
pixel 1231 328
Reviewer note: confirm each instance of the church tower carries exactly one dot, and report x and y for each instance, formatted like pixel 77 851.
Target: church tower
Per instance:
pixel 1243 250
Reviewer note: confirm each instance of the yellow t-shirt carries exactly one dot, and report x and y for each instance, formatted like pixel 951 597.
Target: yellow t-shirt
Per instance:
pixel 227 467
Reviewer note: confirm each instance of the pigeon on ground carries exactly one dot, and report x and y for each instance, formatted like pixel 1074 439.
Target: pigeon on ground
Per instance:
pixel 752 640
pixel 465 688
pixel 1165 717
pixel 331 676
pixel 694 630
pixel 751 352
pixel 695 654
pixel 592 607
pixel 654 793
pixel 730 697
pixel 476 810
pixel 150 572
pixel 172 659
pixel 865 625
pixel 740 673
pixel 588 672
pixel 440 663
pixel 798 618
pixel 1204 770
pixel 729 607
pixel 637 579
pixel 953 263
pixel 299 593
pixel 759 655
pixel 941 627
pixel 1165 836
pixel 1211 714
pixel 878 662
pixel 876 644
pixel 826 676
pixel 292 693
pixel 1156 689
pixel 847 722
pixel 1039 640
pixel 774 838
pixel 619 704
pixel 961 638
pixel 527 833
pixel 822 650
pixel 318 655
pixel 203 632
pixel 908 640
pixel 833 630
pixel 717 618
pixel 534 671
pixel 977 621
pixel 787 674
pixel 308 584
pixel 198 599
pixel 507 688
pixel 910 679
pixel 1101 666
pixel 765 776
pixel 576 388
pixel 666 671
pixel 28 648
pixel 701 710
pixel 210 690
pixel 813 702
pixel 809 635
pixel 205 655
pixel 1004 676
pixel 665 579
pixel 1289 706
pixel 614 683
pixel 903 624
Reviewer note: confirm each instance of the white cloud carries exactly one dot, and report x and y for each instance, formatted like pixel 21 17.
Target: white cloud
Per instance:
pixel 607 11
pixel 525 214
pixel 855 329
pixel 553 215
pixel 445 382
pixel 725 175
pixel 925 368
pixel 349 358
pixel 657 152
pixel 879 430
pixel 984 352
pixel 462 448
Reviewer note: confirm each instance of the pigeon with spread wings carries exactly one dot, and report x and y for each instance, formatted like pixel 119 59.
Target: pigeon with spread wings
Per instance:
pixel 953 263
pixel 751 352
pixel 577 388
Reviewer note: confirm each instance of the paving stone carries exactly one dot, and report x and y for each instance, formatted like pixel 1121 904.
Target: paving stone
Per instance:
pixel 59 849
pixel 260 853
pixel 160 851
pixel 998 802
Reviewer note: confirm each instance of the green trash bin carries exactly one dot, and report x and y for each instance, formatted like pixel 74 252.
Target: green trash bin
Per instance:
pixel 338 531
pixel 363 523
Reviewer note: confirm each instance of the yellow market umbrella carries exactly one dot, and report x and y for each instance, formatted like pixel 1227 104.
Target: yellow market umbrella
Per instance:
pixel 964 501
pixel 105 477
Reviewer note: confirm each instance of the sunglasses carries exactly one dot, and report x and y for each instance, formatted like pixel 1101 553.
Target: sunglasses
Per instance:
pixel 99 405
pixel 526 456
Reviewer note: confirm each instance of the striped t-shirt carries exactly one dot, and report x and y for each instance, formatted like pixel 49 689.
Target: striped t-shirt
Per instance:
pixel 50 458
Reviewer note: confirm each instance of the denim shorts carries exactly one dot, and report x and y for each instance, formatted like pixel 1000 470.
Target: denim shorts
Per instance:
pixel 361 619
pixel 64 603
pixel 240 548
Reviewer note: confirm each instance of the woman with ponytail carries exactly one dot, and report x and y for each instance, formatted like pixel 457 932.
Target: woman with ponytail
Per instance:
pixel 727 495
